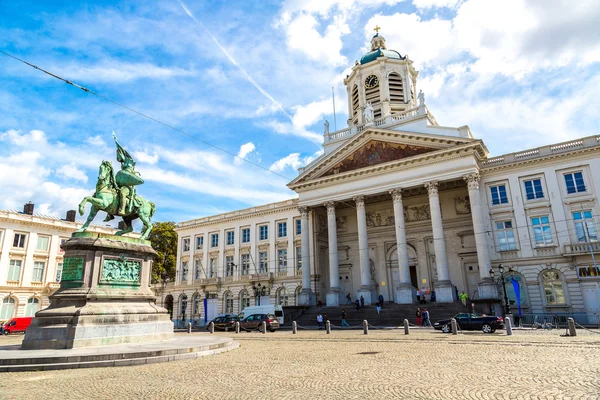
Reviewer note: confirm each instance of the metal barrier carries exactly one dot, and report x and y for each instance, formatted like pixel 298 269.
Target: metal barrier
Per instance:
pixel 557 320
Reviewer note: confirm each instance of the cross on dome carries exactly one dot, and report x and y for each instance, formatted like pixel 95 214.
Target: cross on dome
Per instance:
pixel 377 28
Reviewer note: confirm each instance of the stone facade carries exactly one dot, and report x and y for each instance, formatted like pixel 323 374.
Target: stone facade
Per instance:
pixel 31 260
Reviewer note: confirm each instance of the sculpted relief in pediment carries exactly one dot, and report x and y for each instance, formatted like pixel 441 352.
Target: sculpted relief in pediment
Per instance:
pixel 376 152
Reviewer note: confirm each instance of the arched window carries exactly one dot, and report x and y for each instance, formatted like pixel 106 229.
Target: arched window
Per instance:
pixel 282 297
pixel 552 285
pixel 196 304
pixel 355 104
pixel 244 300
pixel 33 305
pixel 183 302
pixel 396 91
pixel 513 281
pixel 8 308
pixel 169 304
pixel 228 303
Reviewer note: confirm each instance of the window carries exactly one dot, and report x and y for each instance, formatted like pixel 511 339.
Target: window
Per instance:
pixel 186 244
pixel 298 227
pixel 263 266
pixel 32 307
pixel 575 182
pixel 42 243
pixel 228 303
pixel 14 270
pixel 246 235
pixel 512 281
pixel 245 264
pixel 505 237
pixel 213 268
pixel 281 260
pixel 553 288
pixel 282 297
pixel 588 271
pixel 533 189
pixel 196 304
pixel 542 233
pixel 281 229
pixel 19 240
pixel 197 268
pixel 264 232
pixel 59 268
pixel 229 266
pixel 199 242
pixel 214 240
pixel 183 305
pixel 298 258
pixel 230 238
pixel 8 308
pixel 184 270
pixel 584 226
pixel 244 300
pixel 38 271
pixel 499 194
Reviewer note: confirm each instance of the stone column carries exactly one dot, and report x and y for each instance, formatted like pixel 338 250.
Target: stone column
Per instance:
pixel 405 293
pixel 443 289
pixel 306 297
pixel 487 288
pixel 363 250
pixel 333 296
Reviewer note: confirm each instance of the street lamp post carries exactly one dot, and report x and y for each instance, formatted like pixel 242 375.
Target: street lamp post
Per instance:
pixel 259 291
pixel 506 309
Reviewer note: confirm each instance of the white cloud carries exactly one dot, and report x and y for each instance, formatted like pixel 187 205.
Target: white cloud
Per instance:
pixel 144 157
pixel 71 171
pixel 96 141
pixel 245 149
pixel 294 161
pixel 309 114
pixel 26 139
pixel 425 4
pixel 116 71
pixel 284 128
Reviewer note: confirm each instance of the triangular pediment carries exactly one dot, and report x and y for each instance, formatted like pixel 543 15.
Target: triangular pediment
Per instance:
pixel 379 148
pixel 376 152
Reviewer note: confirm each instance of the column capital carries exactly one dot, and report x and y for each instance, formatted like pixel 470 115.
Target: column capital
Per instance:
pixel 360 201
pixel 472 180
pixel 396 194
pixel 303 210
pixel 330 207
pixel 432 188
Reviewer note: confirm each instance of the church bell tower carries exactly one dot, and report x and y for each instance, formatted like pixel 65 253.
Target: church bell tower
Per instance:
pixel 383 78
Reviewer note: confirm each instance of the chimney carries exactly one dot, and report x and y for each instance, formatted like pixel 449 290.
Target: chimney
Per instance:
pixel 71 215
pixel 28 208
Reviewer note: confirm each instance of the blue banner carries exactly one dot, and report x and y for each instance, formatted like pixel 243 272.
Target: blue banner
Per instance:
pixel 205 313
pixel 517 293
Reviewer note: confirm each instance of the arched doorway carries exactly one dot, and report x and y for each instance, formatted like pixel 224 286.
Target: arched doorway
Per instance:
pixel 169 305
pixel 394 272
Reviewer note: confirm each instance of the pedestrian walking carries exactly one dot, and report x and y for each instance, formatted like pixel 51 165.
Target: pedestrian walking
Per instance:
pixel 426 321
pixel 418 314
pixel 344 323
pixel 463 298
pixel 418 296
pixel 362 302
pixel 378 307
pixel 348 299
pixel 357 304
pixel 320 321
pixel 319 304
pixel 380 298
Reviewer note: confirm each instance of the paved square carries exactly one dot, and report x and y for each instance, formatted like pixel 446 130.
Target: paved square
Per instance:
pixel 346 365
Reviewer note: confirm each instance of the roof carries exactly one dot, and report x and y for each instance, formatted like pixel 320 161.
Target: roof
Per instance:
pixel 373 55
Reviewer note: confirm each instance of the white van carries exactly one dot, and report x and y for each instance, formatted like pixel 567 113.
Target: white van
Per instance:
pixel 267 309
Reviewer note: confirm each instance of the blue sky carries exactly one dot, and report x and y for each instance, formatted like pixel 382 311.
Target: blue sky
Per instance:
pixel 255 78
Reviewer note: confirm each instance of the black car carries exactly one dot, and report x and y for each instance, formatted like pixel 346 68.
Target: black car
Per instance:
pixel 224 322
pixel 471 322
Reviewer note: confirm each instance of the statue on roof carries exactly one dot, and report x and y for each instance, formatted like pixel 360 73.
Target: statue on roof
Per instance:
pixel 116 195
pixel 369 113
pixel 326 127
pixel 421 98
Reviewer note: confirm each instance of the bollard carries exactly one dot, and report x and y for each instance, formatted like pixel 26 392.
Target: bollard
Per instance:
pixel 572 331
pixel 454 326
pixel 365 327
pixel 237 326
pixel 189 327
pixel 406 327
pixel 328 327
pixel 264 327
pixel 211 327
pixel 294 328
pixel 508 324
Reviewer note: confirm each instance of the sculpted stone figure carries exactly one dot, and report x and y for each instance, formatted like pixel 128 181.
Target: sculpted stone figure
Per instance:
pixel 326 127
pixel 116 195
pixel 421 98
pixel 369 113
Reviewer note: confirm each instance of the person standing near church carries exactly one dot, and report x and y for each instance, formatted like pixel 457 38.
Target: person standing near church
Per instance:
pixel 380 298
pixel 320 321
pixel 418 314
pixel 463 298
pixel 362 302
pixel 344 322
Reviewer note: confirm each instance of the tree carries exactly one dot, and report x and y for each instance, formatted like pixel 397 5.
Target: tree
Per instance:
pixel 164 240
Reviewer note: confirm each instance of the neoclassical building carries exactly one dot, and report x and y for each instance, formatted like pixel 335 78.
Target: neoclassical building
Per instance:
pixel 31 260
pixel 398 202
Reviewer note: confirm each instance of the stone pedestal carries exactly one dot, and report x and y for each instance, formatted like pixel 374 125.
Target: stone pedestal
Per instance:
pixel 365 292
pixel 307 298
pixel 405 294
pixel 104 297
pixel 333 297
pixel 487 289
pixel 444 292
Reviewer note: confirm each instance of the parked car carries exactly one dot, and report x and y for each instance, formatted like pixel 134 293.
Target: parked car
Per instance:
pixel 224 322
pixel 471 322
pixel 254 321
pixel 17 325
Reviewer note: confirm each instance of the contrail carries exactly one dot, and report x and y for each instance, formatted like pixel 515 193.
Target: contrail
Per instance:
pixel 234 62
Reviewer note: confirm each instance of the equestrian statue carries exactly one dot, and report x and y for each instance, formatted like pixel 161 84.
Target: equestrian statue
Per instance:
pixel 116 195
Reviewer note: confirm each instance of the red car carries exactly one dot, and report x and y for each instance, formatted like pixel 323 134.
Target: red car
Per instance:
pixel 17 325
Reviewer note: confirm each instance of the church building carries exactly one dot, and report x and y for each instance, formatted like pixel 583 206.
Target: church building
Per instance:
pixel 399 203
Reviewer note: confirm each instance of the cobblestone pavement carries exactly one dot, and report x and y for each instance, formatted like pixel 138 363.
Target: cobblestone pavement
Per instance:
pixel 346 365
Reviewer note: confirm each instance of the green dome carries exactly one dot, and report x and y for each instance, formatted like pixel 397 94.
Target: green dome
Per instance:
pixel 373 55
